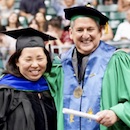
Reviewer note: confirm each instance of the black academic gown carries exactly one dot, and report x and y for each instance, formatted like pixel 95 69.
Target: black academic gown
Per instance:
pixel 20 110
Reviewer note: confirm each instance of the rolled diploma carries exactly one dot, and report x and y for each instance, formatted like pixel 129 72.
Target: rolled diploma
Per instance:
pixel 78 113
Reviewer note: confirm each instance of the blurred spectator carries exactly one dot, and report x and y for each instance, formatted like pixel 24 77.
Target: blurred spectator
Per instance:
pixel 2 28
pixel 123 5
pixel 84 2
pixel 7 47
pixel 55 29
pixel 107 34
pixel 109 2
pixel 123 29
pixel 42 22
pixel 28 8
pixel 34 24
pixel 13 22
pixel 6 8
pixel 59 7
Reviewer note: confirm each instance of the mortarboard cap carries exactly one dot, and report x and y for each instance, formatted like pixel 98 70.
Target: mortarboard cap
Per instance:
pixel 87 11
pixel 28 37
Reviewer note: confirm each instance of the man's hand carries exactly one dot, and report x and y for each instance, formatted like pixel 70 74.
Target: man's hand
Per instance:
pixel 107 118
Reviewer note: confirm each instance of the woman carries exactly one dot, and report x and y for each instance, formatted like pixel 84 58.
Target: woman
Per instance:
pixel 6 8
pixel 41 20
pixel 34 24
pixel 25 99
pixel 13 22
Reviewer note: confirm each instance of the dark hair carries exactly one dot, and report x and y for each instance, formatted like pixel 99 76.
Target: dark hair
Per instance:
pixel 45 25
pixel 2 28
pixel 17 23
pixel 55 22
pixel 11 67
pixel 32 22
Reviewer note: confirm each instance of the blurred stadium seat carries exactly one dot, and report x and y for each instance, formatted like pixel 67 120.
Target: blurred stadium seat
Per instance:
pixel 50 12
pixel 106 9
pixel 115 18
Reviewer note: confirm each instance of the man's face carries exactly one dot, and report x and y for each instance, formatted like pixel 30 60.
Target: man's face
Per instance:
pixel 86 34
pixel 69 3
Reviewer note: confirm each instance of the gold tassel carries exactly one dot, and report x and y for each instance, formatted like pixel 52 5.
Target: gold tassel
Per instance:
pixel 106 28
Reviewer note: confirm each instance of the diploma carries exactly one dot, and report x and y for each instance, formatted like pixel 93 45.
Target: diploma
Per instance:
pixel 79 113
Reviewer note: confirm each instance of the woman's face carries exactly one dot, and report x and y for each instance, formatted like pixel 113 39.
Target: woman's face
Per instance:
pixel 13 18
pixel 34 25
pixel 32 63
pixel 40 17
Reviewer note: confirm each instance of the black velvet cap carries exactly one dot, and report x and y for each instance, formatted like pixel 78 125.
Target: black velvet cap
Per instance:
pixel 28 37
pixel 87 11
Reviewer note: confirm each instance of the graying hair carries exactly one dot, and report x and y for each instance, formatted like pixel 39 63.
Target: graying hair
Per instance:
pixel 73 22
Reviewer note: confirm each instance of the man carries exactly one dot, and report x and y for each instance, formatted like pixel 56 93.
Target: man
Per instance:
pixel 29 8
pixel 59 7
pixel 123 29
pixel 96 76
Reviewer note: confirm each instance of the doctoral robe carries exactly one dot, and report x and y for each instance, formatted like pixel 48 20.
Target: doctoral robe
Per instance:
pixel 116 90
pixel 91 84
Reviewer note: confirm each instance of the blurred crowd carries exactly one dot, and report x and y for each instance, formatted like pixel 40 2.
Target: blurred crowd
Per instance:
pixel 33 13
